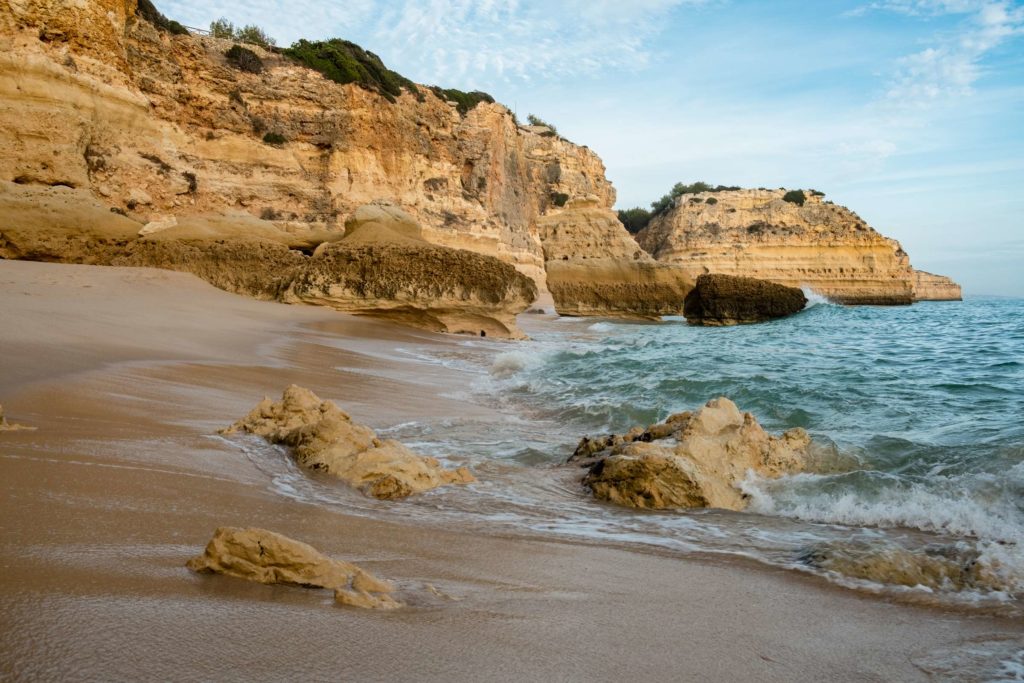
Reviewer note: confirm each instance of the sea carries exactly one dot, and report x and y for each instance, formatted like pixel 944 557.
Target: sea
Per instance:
pixel 916 415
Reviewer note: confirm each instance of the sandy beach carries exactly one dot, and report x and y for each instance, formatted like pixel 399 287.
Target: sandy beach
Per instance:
pixel 127 374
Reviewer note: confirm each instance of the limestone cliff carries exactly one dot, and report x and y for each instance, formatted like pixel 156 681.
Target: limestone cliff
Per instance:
pixel 159 126
pixel 931 287
pixel 756 233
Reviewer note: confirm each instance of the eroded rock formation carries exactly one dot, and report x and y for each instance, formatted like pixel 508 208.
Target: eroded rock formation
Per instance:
pixel 756 233
pixel 325 439
pixel 691 460
pixel 379 266
pixel 383 267
pixel 266 557
pixel 730 300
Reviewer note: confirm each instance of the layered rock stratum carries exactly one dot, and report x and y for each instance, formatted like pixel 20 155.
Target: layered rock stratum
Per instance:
pixel 931 287
pixel 816 244
pixel 324 438
pixel 163 129
pixel 718 300
pixel 691 460
pixel 267 557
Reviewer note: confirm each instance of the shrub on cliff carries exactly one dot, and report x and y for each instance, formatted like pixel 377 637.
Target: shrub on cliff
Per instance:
pixel 274 139
pixel 222 28
pixel 538 121
pixel 255 35
pixel 464 101
pixel 345 62
pixel 149 12
pixel 244 59
pixel 679 189
pixel 635 219
pixel 795 197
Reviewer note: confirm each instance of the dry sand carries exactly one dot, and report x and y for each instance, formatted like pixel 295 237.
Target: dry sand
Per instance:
pixel 127 373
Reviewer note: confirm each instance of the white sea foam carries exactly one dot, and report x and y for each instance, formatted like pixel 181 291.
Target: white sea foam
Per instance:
pixel 511 363
pixel 601 327
pixel 815 299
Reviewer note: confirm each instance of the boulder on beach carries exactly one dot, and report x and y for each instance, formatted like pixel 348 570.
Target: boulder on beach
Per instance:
pixel 384 268
pixel 266 557
pixel 324 438
pixel 731 300
pixel 691 460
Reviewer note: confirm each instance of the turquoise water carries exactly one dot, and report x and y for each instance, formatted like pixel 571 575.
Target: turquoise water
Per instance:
pixel 917 410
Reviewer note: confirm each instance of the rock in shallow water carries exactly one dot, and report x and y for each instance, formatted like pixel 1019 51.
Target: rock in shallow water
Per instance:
pixel 690 460
pixel 324 438
pixel 730 300
pixel 266 557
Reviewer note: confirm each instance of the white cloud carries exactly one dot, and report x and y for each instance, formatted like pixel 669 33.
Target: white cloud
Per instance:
pixel 456 40
pixel 950 68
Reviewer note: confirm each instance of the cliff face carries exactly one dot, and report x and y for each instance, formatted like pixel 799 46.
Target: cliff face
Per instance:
pixel 158 125
pixel 931 287
pixel 755 233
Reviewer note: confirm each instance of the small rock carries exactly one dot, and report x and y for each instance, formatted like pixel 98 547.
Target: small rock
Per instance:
pixel 266 557
pixel 325 439
pixel 157 225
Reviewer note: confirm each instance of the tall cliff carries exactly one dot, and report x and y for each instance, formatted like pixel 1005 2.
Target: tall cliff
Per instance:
pixel 756 233
pixel 158 125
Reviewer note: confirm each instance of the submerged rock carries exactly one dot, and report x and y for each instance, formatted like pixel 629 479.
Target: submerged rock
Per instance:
pixel 951 567
pixel 6 426
pixel 266 557
pixel 731 300
pixel 324 438
pixel 691 460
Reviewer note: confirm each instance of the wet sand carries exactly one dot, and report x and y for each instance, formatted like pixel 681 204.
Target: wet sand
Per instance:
pixel 128 373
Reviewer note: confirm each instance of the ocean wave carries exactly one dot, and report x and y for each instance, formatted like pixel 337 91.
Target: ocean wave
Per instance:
pixel 815 299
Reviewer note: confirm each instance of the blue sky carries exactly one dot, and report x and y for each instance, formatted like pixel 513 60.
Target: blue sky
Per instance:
pixel 910 112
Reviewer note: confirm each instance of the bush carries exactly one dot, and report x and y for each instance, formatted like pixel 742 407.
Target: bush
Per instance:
pixel 274 139
pixel 538 121
pixel 559 198
pixel 222 28
pixel 345 62
pixel 635 219
pixel 464 101
pixel 244 59
pixel 817 194
pixel 254 35
pixel 149 12
pixel 795 197
pixel 679 189
pixel 711 200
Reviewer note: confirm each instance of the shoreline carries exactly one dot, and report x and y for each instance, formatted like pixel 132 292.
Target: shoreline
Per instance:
pixel 124 480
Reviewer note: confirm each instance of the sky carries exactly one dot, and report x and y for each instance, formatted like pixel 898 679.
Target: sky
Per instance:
pixel 910 112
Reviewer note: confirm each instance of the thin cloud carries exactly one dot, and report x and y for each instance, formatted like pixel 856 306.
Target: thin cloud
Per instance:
pixel 951 67
pixel 522 40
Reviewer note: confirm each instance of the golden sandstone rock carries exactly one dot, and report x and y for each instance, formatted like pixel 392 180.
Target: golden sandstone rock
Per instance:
pixel 266 557
pixel 756 233
pixel 691 460
pixel 324 438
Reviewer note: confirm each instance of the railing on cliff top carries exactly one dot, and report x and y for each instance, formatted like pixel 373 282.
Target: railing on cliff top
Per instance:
pixel 200 31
